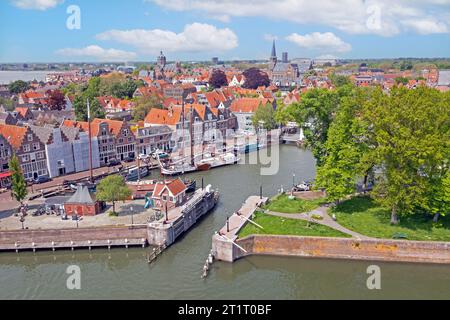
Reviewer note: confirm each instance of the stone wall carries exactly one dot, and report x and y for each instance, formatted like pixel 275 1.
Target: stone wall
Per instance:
pixel 65 238
pixel 372 250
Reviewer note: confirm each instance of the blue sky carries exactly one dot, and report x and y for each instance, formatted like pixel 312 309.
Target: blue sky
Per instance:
pixel 118 30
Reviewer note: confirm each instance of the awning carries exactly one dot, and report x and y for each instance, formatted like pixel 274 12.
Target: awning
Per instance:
pixel 4 175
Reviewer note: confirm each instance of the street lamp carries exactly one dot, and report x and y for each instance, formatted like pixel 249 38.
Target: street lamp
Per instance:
pixel 293 180
pixel 22 220
pixel 132 220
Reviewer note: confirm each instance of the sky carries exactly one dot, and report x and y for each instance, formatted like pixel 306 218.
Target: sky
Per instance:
pixel 195 30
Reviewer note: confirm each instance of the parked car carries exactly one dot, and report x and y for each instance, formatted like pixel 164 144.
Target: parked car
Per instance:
pixel 143 156
pixel 128 159
pixel 113 163
pixel 160 155
pixel 304 186
pixel 42 179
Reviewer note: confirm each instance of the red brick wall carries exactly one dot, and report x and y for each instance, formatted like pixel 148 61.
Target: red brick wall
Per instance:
pixel 372 250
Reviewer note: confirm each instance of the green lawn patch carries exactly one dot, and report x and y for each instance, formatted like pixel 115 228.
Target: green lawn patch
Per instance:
pixel 363 215
pixel 282 226
pixel 282 203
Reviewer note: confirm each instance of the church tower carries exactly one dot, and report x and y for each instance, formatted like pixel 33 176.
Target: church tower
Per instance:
pixel 161 62
pixel 273 57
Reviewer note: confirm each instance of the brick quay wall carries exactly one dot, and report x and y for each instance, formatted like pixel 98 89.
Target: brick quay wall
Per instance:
pixel 73 238
pixel 339 248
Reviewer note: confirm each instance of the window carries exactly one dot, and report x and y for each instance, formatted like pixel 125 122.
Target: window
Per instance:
pixel 36 146
pixel 30 137
pixel 26 148
pixel 25 158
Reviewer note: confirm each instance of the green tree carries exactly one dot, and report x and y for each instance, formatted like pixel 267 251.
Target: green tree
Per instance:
pixel 339 80
pixel 8 104
pixel 409 134
pixel 264 117
pixel 401 80
pixel 80 107
pixel 144 105
pixel 346 148
pixel 18 86
pixel 112 189
pixel 315 113
pixel 19 186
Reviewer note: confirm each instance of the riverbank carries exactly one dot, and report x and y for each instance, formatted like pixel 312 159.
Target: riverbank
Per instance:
pixel 279 234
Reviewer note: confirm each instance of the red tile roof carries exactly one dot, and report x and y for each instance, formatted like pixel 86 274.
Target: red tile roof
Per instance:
pixel 247 105
pixel 13 134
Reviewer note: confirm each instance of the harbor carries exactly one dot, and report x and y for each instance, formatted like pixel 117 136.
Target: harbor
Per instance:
pixel 183 261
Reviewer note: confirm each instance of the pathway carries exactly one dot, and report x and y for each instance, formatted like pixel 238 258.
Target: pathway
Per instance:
pixel 327 220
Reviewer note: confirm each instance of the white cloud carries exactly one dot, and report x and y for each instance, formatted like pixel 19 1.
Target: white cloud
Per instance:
pixel 327 41
pixel 196 37
pixel 98 53
pixel 382 17
pixel 327 56
pixel 426 26
pixel 270 37
pixel 36 4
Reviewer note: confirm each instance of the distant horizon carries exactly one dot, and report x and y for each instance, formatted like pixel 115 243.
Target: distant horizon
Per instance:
pixel 209 61
pixel 195 31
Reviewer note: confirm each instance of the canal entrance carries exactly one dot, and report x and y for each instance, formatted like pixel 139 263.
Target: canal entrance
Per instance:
pixel 125 274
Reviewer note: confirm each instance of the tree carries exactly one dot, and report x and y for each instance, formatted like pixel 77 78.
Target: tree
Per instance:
pixel 80 107
pixel 218 79
pixel 264 117
pixel 18 86
pixel 144 105
pixel 346 147
pixel 401 80
pixel 56 100
pixel 8 104
pixel 339 80
pixel 19 186
pixel 410 137
pixel 255 78
pixel 315 113
pixel 112 189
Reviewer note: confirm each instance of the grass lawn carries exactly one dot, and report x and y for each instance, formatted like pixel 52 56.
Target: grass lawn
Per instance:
pixel 364 216
pixel 283 204
pixel 281 226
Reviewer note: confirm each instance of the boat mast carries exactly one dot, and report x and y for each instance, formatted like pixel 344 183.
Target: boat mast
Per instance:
pixel 90 142
pixel 191 129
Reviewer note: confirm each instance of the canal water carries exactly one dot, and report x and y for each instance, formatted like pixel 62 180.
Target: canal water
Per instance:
pixel 125 274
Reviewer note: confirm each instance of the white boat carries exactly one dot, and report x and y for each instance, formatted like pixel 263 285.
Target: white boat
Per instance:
pixel 133 175
pixel 184 166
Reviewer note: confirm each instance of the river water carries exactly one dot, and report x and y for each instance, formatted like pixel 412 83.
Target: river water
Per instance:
pixel 125 274
pixel 7 77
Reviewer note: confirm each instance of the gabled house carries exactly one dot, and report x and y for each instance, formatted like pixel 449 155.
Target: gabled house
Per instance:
pixel 169 194
pixel 58 150
pixel 115 138
pixel 28 148
pixel 244 109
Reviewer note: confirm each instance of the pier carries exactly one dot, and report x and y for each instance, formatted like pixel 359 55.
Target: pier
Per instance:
pixel 224 244
pixel 71 239
pixel 179 220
